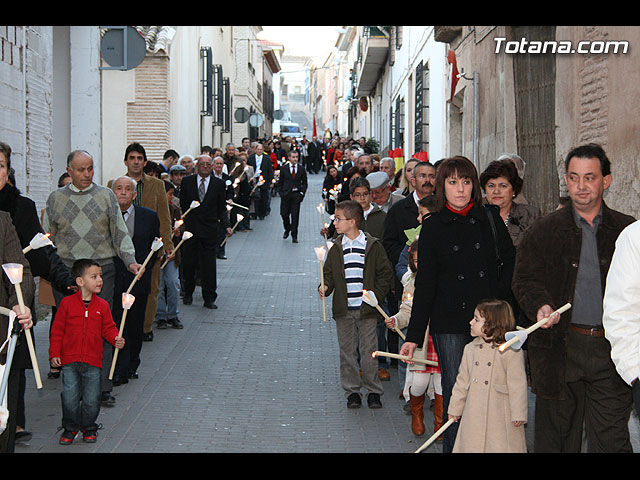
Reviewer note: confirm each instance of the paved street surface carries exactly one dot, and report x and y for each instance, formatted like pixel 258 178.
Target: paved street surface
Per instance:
pixel 257 375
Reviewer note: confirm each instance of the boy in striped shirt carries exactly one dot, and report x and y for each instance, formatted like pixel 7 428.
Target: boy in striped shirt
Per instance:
pixel 356 261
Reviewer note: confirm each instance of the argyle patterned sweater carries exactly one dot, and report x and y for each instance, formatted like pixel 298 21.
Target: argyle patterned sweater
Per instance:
pixel 87 224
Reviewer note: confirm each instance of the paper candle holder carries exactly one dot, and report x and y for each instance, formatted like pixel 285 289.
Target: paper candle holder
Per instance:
pixel 14 272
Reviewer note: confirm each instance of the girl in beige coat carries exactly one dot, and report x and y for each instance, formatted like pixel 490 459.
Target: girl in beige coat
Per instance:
pixel 490 394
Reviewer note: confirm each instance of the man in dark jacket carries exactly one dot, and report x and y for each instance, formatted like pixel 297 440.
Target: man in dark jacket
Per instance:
pixel 218 165
pixel 564 258
pixel 200 250
pixel 143 225
pixel 292 185
pixel 261 162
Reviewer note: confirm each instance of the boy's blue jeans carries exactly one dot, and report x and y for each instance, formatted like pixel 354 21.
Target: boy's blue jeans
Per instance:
pixel 80 396
pixel 168 301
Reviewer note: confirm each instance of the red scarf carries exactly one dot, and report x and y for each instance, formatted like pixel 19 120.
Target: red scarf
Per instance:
pixel 462 212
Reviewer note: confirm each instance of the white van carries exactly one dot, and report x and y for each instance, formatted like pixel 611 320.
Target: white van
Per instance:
pixel 291 129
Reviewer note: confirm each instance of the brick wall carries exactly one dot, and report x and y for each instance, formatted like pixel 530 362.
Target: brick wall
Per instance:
pixel 148 115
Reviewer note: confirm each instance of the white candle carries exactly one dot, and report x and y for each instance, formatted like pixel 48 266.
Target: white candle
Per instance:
pixel 127 302
pixel 15 272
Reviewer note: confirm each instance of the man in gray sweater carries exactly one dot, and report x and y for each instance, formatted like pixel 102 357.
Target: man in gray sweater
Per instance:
pixel 85 221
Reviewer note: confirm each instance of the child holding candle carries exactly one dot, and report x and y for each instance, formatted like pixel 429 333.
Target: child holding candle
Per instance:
pixel 356 262
pixel 419 376
pixel 490 394
pixel 82 321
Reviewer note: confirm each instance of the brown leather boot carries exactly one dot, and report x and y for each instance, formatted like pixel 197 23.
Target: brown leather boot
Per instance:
pixel 438 410
pixel 417 414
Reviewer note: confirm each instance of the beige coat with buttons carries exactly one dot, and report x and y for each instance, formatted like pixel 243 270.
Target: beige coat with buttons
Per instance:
pixel 490 393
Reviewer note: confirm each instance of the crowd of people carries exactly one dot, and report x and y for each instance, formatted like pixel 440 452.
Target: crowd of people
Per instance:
pixel 455 258
pixel 128 250
pixel 469 259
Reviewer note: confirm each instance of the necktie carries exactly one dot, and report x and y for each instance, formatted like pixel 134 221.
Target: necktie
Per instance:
pixel 201 190
pixel 293 172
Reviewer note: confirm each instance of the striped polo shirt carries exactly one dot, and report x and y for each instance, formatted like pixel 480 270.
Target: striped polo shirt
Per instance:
pixel 353 251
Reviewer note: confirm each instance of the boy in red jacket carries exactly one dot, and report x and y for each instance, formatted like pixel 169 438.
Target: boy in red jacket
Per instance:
pixel 82 321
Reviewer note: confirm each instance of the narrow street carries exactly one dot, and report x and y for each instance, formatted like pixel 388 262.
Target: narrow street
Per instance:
pixel 257 375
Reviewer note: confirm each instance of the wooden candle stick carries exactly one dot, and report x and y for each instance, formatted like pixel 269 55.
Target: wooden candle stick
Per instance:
pixel 127 302
pixel 370 299
pixel 155 246
pixel 240 218
pixel 378 353
pixel 14 272
pixel 435 435
pixel 237 205
pixel 516 338
pixel 320 253
pixel 185 236
pixel 194 204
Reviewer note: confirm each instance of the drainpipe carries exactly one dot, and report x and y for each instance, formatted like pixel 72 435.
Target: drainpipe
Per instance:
pixel 475 119
pixel 474 131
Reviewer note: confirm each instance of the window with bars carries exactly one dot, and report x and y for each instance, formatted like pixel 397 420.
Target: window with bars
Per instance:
pixel 215 90
pixel 421 138
pixel 396 125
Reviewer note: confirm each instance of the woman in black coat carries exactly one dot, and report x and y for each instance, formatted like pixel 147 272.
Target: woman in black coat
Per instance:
pixel 465 255
pixel 44 262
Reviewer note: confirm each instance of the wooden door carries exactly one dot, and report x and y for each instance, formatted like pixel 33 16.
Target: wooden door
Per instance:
pixel 534 82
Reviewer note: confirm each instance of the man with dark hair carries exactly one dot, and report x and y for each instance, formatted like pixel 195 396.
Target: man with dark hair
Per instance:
pixel 169 159
pixel 292 185
pixel 565 257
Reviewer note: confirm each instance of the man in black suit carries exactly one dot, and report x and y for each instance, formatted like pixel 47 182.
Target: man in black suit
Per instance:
pixel 262 162
pixel 200 250
pixel 218 166
pixel 292 186
pixel 143 225
pixel 314 150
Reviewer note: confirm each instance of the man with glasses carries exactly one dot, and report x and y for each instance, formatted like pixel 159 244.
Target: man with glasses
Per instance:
pixel 403 215
pixel 381 190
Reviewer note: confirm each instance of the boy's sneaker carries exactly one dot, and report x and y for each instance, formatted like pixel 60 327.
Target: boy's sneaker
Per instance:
pixel 67 437
pixel 373 400
pixel 354 401
pixel 89 436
